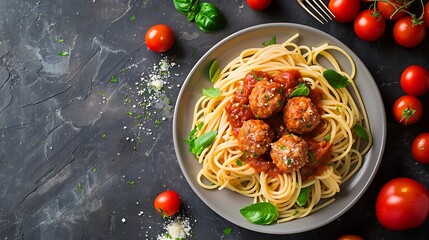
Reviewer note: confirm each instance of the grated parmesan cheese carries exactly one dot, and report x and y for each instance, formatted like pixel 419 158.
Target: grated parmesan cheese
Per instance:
pixel 177 229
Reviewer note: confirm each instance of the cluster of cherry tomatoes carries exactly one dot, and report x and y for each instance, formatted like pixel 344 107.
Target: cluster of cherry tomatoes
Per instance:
pixel 408 108
pixel 409 29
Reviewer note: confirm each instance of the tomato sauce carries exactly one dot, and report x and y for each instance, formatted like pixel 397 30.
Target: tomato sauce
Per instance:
pixel 237 109
pixel 263 164
pixel 322 152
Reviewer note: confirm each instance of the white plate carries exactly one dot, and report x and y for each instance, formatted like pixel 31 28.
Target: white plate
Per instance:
pixel 227 203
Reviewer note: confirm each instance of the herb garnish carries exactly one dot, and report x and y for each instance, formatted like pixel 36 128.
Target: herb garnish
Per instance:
pixel 271 42
pixel 214 71
pixel 312 156
pixel 300 90
pixel 263 213
pixel 114 79
pixel 335 79
pixel 360 131
pixel 303 196
pixel 212 92
pixel 63 53
pixel 227 231
pixel 198 144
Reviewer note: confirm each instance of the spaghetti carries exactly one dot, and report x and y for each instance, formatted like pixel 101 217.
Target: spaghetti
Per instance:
pixel 223 164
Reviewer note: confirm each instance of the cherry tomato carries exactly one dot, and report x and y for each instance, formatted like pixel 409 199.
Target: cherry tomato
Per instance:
pixel 426 14
pixel 159 38
pixel 415 80
pixel 388 8
pixel 258 4
pixel 369 25
pixel 350 237
pixel 408 34
pixel 420 148
pixel 344 10
pixel 407 110
pixel 402 203
pixel 167 203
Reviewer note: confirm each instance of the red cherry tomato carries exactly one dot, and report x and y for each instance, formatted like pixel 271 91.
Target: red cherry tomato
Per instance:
pixel 408 34
pixel 420 148
pixel 415 80
pixel 258 4
pixel 402 203
pixel 388 8
pixel 369 25
pixel 159 38
pixel 426 14
pixel 344 10
pixel 407 110
pixel 167 203
pixel 350 237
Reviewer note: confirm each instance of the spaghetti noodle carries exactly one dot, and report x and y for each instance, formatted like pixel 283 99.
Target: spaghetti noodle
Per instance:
pixel 223 165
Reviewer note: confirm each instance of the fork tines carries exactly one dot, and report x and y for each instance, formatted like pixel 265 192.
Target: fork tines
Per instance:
pixel 319 8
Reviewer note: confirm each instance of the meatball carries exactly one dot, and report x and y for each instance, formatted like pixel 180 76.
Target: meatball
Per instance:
pixel 288 79
pixel 300 115
pixel 255 137
pixel 289 153
pixel 266 99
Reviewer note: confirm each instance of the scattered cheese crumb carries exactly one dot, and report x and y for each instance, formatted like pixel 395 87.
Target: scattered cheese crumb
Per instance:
pixel 178 228
pixel 124 220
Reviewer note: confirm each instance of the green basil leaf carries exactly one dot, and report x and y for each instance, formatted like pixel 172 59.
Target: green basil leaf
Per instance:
pixel 184 6
pixel 360 131
pixel 335 79
pixel 197 145
pixel 214 71
pixel 271 42
pixel 209 18
pixel 303 196
pixel 300 90
pixel 212 92
pixel 193 11
pixel 263 213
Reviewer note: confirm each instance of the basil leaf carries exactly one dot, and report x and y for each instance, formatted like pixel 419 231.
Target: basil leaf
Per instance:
pixel 193 11
pixel 214 71
pixel 197 145
pixel 303 196
pixel 300 90
pixel 271 42
pixel 360 131
pixel 209 18
pixel 263 213
pixel 184 6
pixel 212 92
pixel 335 79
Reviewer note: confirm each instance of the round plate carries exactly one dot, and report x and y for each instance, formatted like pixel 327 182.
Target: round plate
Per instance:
pixel 227 203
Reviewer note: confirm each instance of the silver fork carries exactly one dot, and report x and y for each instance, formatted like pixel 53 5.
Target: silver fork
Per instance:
pixel 319 7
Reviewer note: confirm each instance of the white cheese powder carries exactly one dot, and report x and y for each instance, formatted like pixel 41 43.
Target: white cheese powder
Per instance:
pixel 178 228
